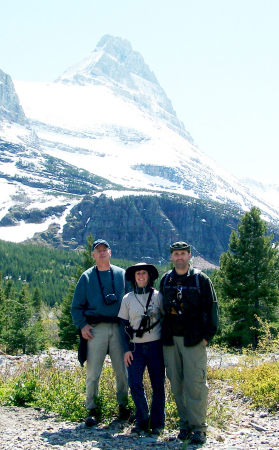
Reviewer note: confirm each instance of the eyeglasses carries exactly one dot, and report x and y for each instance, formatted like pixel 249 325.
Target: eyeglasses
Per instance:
pixel 179 292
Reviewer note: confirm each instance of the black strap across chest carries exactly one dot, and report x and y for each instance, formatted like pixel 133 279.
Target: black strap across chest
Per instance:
pixel 174 286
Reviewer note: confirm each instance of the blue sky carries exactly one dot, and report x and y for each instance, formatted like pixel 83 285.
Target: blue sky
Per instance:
pixel 217 60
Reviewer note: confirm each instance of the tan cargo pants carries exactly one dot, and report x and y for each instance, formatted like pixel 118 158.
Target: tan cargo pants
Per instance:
pixel 186 370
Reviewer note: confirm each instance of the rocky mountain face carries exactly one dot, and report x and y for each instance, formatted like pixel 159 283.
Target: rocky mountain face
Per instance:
pixel 109 115
pixel 10 108
pixel 41 186
pixel 106 124
pixel 142 227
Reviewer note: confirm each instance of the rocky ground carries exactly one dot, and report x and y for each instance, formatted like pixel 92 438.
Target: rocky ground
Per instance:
pixel 31 428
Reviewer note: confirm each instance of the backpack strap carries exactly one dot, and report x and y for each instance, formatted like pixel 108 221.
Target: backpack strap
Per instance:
pixel 167 277
pixel 197 281
pixel 197 278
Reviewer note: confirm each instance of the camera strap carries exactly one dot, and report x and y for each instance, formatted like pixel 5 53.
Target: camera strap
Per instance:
pixel 145 308
pixel 100 283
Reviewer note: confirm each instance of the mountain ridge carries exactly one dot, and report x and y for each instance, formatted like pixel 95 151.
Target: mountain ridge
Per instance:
pixel 104 124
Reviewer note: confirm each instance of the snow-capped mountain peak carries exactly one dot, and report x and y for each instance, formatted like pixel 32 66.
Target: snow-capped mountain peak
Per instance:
pixel 116 65
pixel 108 118
pixel 113 59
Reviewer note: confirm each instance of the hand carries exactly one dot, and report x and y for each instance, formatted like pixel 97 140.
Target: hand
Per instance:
pixel 205 342
pixel 128 358
pixel 86 332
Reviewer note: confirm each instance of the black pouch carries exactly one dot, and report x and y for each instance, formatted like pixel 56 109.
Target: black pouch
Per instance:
pixel 129 330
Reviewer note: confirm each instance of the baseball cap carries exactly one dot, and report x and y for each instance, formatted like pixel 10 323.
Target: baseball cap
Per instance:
pixel 98 242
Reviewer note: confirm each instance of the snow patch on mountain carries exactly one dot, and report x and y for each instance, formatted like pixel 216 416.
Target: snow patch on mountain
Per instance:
pixel 108 115
pixel 29 198
pixel 91 128
pixel 263 189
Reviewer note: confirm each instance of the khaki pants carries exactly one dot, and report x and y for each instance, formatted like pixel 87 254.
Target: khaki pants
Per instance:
pixel 186 370
pixel 106 340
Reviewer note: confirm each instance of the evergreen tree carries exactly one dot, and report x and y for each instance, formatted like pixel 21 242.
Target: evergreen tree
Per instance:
pixel 21 327
pixel 37 300
pixel 7 307
pixel 2 306
pixel 21 312
pixel 68 334
pixel 248 280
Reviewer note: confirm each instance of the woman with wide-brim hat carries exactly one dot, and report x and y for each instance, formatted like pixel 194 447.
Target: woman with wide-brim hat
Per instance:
pixel 140 329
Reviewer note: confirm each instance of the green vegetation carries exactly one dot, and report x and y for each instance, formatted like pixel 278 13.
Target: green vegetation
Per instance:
pixel 254 382
pixel 22 324
pixel 46 269
pixel 63 392
pixel 259 384
pixel 247 282
pixel 256 377
pixel 60 391
pixel 247 287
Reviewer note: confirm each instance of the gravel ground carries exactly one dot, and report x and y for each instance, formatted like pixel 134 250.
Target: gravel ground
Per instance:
pixel 33 428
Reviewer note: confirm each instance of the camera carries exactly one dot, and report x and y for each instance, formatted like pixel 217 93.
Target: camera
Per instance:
pixel 145 319
pixel 110 298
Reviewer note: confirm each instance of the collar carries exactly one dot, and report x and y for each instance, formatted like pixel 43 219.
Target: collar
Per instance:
pixel 186 274
pixel 140 290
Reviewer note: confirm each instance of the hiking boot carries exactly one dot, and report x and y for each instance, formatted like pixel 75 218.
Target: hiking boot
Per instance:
pixel 199 437
pixel 90 421
pixel 125 413
pixel 184 434
pixel 93 417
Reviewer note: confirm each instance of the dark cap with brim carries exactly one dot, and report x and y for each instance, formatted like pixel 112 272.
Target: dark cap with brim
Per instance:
pixel 98 242
pixel 130 272
pixel 180 246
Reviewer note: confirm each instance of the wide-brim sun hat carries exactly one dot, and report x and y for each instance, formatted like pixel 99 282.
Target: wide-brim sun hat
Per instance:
pixel 130 272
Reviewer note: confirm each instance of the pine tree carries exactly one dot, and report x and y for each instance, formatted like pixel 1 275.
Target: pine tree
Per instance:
pixel 68 334
pixel 20 321
pixel 21 328
pixel 8 296
pixel 37 300
pixel 2 307
pixel 248 280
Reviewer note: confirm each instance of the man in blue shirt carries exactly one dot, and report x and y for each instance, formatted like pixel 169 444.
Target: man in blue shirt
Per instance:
pixel 96 303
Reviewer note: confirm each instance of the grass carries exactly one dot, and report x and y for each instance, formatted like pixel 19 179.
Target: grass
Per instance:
pixel 254 382
pixel 63 392
pixel 259 385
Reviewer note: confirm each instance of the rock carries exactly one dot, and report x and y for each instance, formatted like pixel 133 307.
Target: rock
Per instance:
pixel 10 108
pixel 258 427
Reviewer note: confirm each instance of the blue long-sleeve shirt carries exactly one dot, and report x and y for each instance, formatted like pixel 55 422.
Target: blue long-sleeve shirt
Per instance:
pixel 88 298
